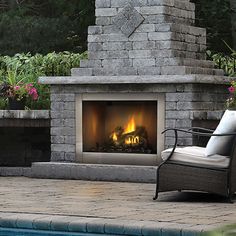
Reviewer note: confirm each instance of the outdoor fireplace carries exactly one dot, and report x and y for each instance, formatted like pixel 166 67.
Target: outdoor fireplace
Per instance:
pixel 146 72
pixel 119 128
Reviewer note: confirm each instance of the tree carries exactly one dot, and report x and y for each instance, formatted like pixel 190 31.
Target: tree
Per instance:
pixel 44 25
pixel 214 15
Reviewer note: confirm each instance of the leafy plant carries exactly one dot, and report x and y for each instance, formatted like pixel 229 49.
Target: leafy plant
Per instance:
pixel 23 69
pixel 225 62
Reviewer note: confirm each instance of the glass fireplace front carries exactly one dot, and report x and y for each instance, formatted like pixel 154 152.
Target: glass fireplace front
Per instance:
pixel 119 126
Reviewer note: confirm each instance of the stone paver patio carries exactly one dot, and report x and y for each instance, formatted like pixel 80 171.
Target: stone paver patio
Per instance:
pixel 99 204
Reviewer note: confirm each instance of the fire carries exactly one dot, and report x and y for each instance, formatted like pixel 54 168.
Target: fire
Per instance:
pixel 131 126
pixel 114 137
pixel 132 140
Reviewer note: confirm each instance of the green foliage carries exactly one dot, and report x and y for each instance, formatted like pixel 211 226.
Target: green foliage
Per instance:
pixel 225 62
pixel 42 26
pixel 28 68
pixel 214 15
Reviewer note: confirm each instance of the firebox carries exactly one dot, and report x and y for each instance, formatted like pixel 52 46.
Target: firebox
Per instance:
pixel 119 129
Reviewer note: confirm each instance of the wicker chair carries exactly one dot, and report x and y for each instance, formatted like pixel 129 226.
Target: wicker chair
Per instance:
pixel 179 175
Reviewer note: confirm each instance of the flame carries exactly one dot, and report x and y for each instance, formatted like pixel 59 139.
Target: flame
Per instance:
pixel 132 140
pixel 131 126
pixel 114 137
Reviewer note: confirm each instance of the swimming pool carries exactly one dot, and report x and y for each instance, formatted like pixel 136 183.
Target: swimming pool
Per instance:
pixel 29 232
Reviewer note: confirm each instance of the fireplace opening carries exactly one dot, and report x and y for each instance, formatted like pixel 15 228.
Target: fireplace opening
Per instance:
pixel 120 126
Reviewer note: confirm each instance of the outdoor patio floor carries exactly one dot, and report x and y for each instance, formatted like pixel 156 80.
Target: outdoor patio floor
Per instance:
pixel 107 207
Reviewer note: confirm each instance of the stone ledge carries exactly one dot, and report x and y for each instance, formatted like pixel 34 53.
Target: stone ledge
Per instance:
pixel 24 114
pixel 60 170
pixel 157 79
pixel 80 224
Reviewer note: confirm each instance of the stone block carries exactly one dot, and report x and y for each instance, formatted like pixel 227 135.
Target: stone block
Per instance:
pixel 177 114
pixel 144 45
pixel 62 114
pixel 110 29
pixel 110 46
pixel 95 30
pixel 103 3
pixel 55 106
pixel 122 3
pixel 119 54
pixel 69 123
pixel 140 54
pixel 171 106
pixel 95 46
pixel 70 139
pixel 101 12
pixel 70 157
pixel 61 131
pixel 99 55
pixel 103 20
pixel 128 19
pixel 138 37
pixel 143 62
pixel 62 148
pixel 90 63
pixel 175 97
pixel 152 10
pixel 114 227
pixel 57 139
pixel 160 36
pixel 114 63
pixel 146 28
pixel 62 97
pixel 149 70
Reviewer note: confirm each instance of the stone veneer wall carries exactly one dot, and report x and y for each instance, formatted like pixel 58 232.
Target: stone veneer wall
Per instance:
pixel 185 103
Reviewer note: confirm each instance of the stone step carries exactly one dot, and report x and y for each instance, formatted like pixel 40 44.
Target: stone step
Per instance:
pixel 183 70
pixel 94 172
pixel 146 70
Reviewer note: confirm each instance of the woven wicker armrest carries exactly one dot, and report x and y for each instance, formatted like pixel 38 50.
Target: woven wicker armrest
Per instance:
pixel 193 133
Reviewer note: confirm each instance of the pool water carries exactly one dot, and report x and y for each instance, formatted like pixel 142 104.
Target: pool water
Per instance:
pixel 28 232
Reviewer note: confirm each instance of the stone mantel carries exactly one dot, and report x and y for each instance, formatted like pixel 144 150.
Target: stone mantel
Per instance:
pixel 157 79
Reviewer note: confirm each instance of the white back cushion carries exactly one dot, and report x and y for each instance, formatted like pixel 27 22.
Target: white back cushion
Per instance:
pixel 222 145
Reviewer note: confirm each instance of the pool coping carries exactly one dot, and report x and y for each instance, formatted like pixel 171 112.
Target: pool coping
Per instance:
pixel 80 224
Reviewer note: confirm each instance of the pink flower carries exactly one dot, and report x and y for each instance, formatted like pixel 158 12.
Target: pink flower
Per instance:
pixel 33 92
pixel 17 87
pixel 231 89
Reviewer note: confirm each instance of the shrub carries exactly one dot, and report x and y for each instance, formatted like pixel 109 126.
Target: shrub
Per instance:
pixel 31 67
pixel 225 62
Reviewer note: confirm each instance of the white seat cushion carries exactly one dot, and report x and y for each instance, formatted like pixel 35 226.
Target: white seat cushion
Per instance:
pixel 222 144
pixel 196 155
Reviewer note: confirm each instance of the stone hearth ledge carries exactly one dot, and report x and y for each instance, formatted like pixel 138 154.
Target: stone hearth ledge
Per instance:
pixel 24 114
pixel 157 79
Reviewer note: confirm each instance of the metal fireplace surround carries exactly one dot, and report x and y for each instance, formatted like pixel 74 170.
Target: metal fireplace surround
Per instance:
pixel 138 50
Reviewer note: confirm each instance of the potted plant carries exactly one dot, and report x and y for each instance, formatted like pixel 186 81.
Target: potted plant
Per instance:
pixel 16 89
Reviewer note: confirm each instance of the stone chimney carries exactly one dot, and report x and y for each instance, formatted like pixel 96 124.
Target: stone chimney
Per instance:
pixel 145 37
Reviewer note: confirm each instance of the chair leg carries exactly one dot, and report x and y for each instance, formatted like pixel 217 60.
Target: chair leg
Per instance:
pixel 156 194
pixel 157 185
